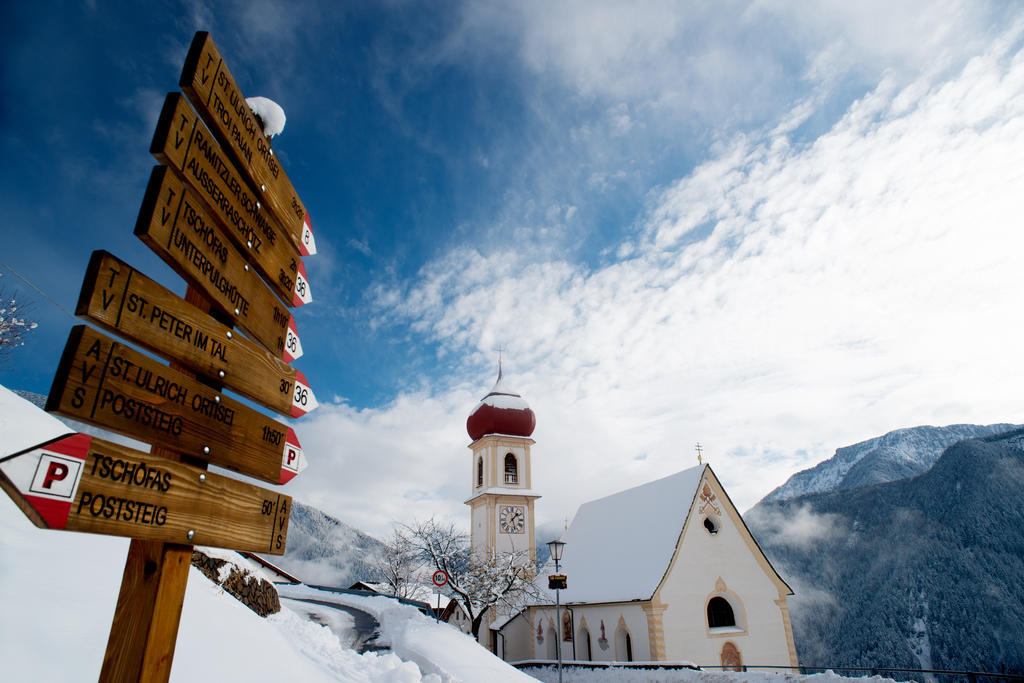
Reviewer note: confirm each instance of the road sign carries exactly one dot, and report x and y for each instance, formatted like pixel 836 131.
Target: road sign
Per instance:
pixel 106 383
pixel 175 225
pixel 126 302
pixel 440 578
pixel 182 142
pixel 211 88
pixel 556 581
pixel 81 483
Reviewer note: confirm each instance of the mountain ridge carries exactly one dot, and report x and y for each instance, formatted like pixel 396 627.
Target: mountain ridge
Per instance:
pixel 898 454
pixel 923 572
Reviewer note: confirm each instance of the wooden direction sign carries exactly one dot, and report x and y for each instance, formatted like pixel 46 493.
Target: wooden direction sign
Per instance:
pixel 106 383
pixel 126 302
pixel 182 142
pixel 174 224
pixel 81 483
pixel 211 88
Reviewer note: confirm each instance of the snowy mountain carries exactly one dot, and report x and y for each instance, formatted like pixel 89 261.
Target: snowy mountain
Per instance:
pixel 325 551
pixel 897 455
pixel 918 573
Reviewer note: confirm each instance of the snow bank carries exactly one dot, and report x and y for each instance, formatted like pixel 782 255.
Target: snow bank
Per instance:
pixel 614 675
pixel 436 647
pixel 23 425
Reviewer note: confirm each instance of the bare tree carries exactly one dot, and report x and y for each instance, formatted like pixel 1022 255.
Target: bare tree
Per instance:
pixel 400 566
pixel 503 581
pixel 14 326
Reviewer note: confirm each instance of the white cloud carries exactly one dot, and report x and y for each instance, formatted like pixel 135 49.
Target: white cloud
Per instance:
pixel 800 528
pixel 781 300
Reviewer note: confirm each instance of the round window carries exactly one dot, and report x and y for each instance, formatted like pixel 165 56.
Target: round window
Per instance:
pixel 712 525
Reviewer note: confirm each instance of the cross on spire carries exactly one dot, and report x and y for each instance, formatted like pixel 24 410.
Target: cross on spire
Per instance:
pixel 700 453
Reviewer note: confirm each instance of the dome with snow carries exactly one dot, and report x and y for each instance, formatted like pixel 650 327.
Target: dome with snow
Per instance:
pixel 501 412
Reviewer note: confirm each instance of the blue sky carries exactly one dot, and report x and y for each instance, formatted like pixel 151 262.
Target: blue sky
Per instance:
pixel 772 227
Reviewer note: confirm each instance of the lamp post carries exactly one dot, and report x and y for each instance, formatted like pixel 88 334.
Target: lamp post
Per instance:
pixel 556 554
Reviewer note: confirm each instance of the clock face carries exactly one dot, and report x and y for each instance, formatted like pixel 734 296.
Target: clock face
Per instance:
pixel 512 519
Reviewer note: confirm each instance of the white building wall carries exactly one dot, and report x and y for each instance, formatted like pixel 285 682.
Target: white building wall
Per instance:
pixel 614 616
pixel 726 565
pixel 515 639
pixel 478 533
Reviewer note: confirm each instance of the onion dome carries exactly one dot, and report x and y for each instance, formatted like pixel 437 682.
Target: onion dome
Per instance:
pixel 501 412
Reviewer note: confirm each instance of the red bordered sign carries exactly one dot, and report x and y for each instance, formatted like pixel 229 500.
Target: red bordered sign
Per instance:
pixel 440 578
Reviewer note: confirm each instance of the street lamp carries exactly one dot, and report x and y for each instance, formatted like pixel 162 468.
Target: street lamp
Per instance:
pixel 556 548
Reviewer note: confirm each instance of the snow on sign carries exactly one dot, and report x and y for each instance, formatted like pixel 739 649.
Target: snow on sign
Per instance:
pixel 81 483
pixel 124 301
pixel 106 383
pixel 182 141
pixel 178 227
pixel 440 578
pixel 211 88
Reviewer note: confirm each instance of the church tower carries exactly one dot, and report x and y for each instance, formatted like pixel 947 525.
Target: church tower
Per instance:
pixel 502 498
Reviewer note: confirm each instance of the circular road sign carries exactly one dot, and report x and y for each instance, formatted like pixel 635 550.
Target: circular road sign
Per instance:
pixel 440 578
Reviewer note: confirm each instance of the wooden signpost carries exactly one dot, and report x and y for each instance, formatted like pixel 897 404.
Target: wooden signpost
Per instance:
pixel 111 385
pixel 211 88
pixel 226 218
pixel 81 483
pixel 183 143
pixel 126 302
pixel 177 226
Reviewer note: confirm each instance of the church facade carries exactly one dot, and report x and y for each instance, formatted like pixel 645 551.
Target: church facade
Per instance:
pixel 665 571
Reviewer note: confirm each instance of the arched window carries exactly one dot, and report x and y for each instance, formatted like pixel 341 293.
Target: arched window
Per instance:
pixel 511 469
pixel 720 613
pixel 552 644
pixel 585 650
pixel 480 472
pixel 623 646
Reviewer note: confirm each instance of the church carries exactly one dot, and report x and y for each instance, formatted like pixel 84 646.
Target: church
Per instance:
pixel 664 571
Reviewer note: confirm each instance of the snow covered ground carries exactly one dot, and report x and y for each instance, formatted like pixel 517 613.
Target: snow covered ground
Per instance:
pixel 579 675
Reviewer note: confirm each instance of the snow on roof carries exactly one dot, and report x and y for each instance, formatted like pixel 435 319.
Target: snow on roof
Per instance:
pixel 503 401
pixel 619 547
pixel 270 112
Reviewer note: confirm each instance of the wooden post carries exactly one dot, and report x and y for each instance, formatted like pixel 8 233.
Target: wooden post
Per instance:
pixel 144 631
pixel 145 627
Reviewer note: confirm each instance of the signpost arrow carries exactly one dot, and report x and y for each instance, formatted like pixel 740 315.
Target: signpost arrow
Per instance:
pixel 209 85
pixel 81 483
pixel 106 383
pixel 175 225
pixel 126 302
pixel 182 142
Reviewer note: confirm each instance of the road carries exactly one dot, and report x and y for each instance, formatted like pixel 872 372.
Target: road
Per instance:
pixel 355 629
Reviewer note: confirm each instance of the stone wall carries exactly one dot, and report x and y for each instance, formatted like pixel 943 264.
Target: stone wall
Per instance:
pixel 257 594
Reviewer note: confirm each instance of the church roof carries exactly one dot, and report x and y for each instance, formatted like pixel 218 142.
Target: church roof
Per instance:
pixel 619 547
pixel 502 411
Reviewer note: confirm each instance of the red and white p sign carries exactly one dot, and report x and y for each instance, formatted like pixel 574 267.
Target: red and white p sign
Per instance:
pixel 56 476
